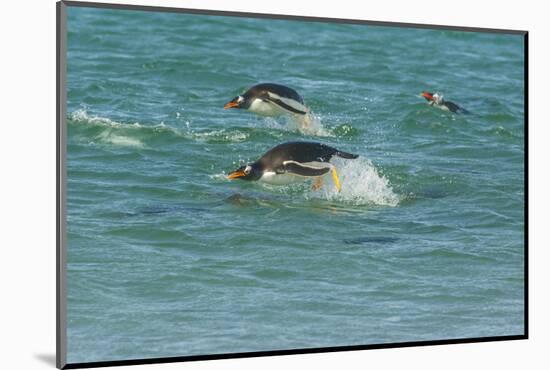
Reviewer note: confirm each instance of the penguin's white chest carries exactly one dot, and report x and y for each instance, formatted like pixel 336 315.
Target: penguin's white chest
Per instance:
pixel 274 178
pixel 265 108
pixel 439 105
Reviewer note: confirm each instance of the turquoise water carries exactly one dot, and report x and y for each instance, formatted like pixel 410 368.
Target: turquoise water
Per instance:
pixel 168 258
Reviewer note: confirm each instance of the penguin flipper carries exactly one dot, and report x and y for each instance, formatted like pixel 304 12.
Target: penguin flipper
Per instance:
pixel 288 104
pixel 304 170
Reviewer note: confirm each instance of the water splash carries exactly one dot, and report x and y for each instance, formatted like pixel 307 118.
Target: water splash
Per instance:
pixel 361 185
pixel 308 124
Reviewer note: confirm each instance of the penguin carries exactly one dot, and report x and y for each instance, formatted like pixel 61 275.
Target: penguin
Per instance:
pixel 269 99
pixel 292 162
pixel 438 101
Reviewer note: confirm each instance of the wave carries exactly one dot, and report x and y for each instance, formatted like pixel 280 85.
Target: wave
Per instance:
pixel 119 140
pixel 101 130
pixel 104 131
pixel 135 134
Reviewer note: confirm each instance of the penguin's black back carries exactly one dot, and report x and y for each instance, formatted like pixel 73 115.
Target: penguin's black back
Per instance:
pixel 455 108
pixel 300 151
pixel 281 90
pixel 451 106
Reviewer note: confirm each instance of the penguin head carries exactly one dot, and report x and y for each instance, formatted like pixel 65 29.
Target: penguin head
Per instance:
pixel 250 172
pixel 432 97
pixel 427 95
pixel 239 102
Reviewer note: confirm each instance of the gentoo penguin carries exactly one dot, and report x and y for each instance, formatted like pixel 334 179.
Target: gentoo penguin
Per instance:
pixel 438 101
pixel 269 99
pixel 293 162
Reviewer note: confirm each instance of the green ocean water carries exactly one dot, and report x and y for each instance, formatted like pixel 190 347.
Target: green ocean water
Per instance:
pixel 168 258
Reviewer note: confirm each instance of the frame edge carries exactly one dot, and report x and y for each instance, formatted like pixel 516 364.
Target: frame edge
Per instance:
pixel 228 13
pixel 61 237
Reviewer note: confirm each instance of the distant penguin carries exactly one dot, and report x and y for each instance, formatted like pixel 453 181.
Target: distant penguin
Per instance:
pixel 293 162
pixel 269 99
pixel 436 100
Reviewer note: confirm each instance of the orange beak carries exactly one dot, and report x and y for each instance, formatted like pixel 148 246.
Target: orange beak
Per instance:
pixel 236 174
pixel 427 95
pixel 231 104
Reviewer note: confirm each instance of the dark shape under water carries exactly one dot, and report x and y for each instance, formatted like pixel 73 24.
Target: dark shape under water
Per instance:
pixel 371 240
pixel 432 193
pixel 239 199
pixel 155 210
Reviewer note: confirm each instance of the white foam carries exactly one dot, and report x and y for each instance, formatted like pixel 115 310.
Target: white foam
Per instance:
pixel 361 184
pixel 82 116
pixel 232 136
pixel 108 137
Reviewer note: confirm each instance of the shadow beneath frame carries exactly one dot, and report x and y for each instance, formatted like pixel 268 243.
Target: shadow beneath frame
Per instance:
pixel 47 358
